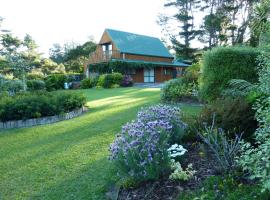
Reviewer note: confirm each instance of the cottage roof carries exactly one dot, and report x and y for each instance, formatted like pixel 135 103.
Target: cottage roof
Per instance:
pixel 138 44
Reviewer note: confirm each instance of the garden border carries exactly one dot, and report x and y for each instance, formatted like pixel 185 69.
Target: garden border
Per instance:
pixel 42 120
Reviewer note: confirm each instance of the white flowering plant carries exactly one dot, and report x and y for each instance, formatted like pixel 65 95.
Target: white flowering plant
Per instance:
pixel 176 150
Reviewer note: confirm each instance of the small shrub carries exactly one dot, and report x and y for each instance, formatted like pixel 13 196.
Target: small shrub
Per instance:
pixel 89 82
pixel 108 80
pixel 33 85
pixel 55 82
pixel 177 90
pixel 127 81
pixel 222 64
pixel 232 114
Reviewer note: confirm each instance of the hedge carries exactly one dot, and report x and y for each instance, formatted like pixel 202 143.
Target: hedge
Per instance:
pixel 222 64
pixel 39 104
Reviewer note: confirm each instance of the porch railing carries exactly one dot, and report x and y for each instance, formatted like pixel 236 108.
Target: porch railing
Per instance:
pixel 100 56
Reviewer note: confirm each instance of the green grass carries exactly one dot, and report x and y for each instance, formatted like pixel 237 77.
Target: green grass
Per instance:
pixel 68 160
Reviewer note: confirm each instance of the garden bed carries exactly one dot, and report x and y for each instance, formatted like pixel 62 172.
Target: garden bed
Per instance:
pixel 42 120
pixel 168 189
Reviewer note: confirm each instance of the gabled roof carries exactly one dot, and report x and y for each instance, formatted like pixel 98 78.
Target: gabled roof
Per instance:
pixel 138 44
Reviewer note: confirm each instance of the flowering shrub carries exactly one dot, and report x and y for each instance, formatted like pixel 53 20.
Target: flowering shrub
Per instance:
pixel 170 114
pixel 127 81
pixel 140 151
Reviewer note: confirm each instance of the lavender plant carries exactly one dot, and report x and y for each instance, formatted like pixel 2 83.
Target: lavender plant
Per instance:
pixel 166 113
pixel 140 150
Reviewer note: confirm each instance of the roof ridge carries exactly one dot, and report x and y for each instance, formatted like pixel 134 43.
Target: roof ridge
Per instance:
pixel 108 29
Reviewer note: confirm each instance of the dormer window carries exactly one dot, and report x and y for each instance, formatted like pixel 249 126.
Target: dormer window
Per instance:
pixel 107 47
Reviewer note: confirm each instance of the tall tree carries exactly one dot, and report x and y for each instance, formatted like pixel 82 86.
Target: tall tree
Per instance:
pixel 181 42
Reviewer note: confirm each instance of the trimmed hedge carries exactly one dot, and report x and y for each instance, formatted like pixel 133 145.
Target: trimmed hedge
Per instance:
pixel 39 104
pixel 222 64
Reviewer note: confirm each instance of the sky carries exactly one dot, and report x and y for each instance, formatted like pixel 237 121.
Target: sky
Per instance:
pixel 60 21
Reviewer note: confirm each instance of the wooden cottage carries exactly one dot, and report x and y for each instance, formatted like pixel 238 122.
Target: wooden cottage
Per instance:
pixel 116 46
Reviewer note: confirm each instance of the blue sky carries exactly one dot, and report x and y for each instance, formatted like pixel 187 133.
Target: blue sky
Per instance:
pixel 59 21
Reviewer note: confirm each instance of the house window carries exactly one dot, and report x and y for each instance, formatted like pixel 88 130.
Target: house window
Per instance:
pixel 167 71
pixel 180 71
pixel 131 72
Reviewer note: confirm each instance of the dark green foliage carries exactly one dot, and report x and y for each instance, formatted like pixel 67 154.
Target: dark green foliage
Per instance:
pixel 231 114
pixel 40 104
pixel 33 85
pixel 89 82
pixel 225 188
pixel 55 81
pixel 177 90
pixel 110 80
pixel 222 64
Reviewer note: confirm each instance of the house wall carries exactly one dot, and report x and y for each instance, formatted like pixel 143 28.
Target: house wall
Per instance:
pixel 147 58
pixel 159 75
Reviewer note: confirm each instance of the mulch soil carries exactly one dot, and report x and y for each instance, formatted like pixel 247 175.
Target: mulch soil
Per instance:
pixel 166 189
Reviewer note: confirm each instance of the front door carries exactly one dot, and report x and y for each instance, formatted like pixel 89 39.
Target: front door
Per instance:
pixel 149 75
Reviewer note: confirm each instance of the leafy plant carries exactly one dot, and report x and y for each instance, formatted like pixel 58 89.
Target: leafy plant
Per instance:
pixel 231 114
pixel 127 81
pixel 256 160
pixel 179 173
pixel 219 187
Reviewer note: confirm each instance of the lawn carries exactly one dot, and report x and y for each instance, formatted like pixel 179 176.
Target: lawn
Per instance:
pixel 68 160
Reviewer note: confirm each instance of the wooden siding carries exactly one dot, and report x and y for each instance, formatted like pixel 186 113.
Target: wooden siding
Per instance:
pixel 147 58
pixel 138 77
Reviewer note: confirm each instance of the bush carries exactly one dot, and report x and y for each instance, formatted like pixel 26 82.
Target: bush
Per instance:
pixel 232 114
pixel 177 90
pixel 55 82
pixel 222 64
pixel 89 82
pixel 127 81
pixel 140 151
pixel 109 80
pixel 255 160
pixel 40 104
pixel 33 85
pixel 192 73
